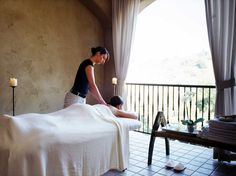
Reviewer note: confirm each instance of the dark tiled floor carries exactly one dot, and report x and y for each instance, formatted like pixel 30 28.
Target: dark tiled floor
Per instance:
pixel 198 160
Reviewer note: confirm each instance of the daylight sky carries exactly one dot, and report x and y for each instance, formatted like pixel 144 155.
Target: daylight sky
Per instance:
pixel 168 28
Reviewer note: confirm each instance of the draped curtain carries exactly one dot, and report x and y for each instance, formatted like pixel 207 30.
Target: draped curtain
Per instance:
pixel 124 17
pixel 220 15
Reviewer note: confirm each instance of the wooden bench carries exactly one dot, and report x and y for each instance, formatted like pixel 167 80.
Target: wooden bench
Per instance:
pixel 183 136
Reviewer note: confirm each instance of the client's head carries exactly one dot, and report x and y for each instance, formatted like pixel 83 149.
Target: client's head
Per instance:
pixel 116 101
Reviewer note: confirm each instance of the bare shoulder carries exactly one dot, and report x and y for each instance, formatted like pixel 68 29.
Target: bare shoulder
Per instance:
pixel 113 110
pixel 122 113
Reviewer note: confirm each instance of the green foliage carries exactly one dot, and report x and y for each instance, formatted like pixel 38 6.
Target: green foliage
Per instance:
pixel 191 122
pixel 206 102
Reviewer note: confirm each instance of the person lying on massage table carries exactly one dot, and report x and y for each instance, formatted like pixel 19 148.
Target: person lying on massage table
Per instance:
pixel 116 106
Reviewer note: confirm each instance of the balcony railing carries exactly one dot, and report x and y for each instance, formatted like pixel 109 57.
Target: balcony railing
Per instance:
pixel 176 101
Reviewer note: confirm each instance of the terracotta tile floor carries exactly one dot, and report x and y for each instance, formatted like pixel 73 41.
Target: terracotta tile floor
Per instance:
pixel 198 160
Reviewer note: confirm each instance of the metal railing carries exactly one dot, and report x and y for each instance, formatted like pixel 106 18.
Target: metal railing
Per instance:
pixel 176 101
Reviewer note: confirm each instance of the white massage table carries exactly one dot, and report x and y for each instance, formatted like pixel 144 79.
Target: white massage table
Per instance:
pixel 81 140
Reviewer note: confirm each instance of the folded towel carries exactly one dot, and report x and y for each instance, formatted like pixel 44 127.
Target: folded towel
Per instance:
pixel 222 131
pixel 231 126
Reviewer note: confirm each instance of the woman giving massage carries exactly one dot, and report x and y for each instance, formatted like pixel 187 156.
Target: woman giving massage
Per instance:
pixel 85 79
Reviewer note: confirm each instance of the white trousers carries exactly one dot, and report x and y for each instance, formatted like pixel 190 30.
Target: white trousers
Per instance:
pixel 71 98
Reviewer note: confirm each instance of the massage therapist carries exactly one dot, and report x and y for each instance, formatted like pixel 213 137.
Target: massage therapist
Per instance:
pixel 85 80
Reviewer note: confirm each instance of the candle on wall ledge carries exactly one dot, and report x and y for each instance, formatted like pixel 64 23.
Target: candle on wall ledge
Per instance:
pixel 13 82
pixel 114 80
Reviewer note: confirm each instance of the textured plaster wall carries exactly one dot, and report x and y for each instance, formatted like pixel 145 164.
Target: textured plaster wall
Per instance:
pixel 105 5
pixel 109 68
pixel 42 43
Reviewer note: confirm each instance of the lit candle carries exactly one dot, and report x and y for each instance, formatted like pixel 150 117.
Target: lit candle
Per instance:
pixel 114 80
pixel 13 82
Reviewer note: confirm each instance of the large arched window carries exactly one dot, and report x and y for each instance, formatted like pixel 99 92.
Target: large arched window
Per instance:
pixel 171 44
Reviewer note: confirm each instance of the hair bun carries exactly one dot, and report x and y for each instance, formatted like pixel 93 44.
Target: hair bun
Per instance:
pixel 100 49
pixel 93 50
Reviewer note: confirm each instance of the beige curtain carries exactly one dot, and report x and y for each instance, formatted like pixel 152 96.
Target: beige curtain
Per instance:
pixel 124 17
pixel 221 26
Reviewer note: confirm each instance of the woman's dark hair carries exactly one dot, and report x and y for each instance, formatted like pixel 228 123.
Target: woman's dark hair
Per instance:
pixel 100 49
pixel 116 100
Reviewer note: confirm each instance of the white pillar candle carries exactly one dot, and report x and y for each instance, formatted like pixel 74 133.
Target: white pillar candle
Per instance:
pixel 13 82
pixel 114 80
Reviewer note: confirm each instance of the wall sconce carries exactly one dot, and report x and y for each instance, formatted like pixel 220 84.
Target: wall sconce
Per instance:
pixel 13 84
pixel 114 82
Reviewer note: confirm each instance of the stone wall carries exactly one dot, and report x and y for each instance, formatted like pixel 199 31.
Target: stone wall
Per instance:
pixel 42 43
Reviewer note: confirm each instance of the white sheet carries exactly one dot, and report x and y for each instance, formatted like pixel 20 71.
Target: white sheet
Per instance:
pixel 81 140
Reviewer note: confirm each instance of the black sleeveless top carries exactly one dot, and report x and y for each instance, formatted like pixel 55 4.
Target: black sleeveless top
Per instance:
pixel 81 85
